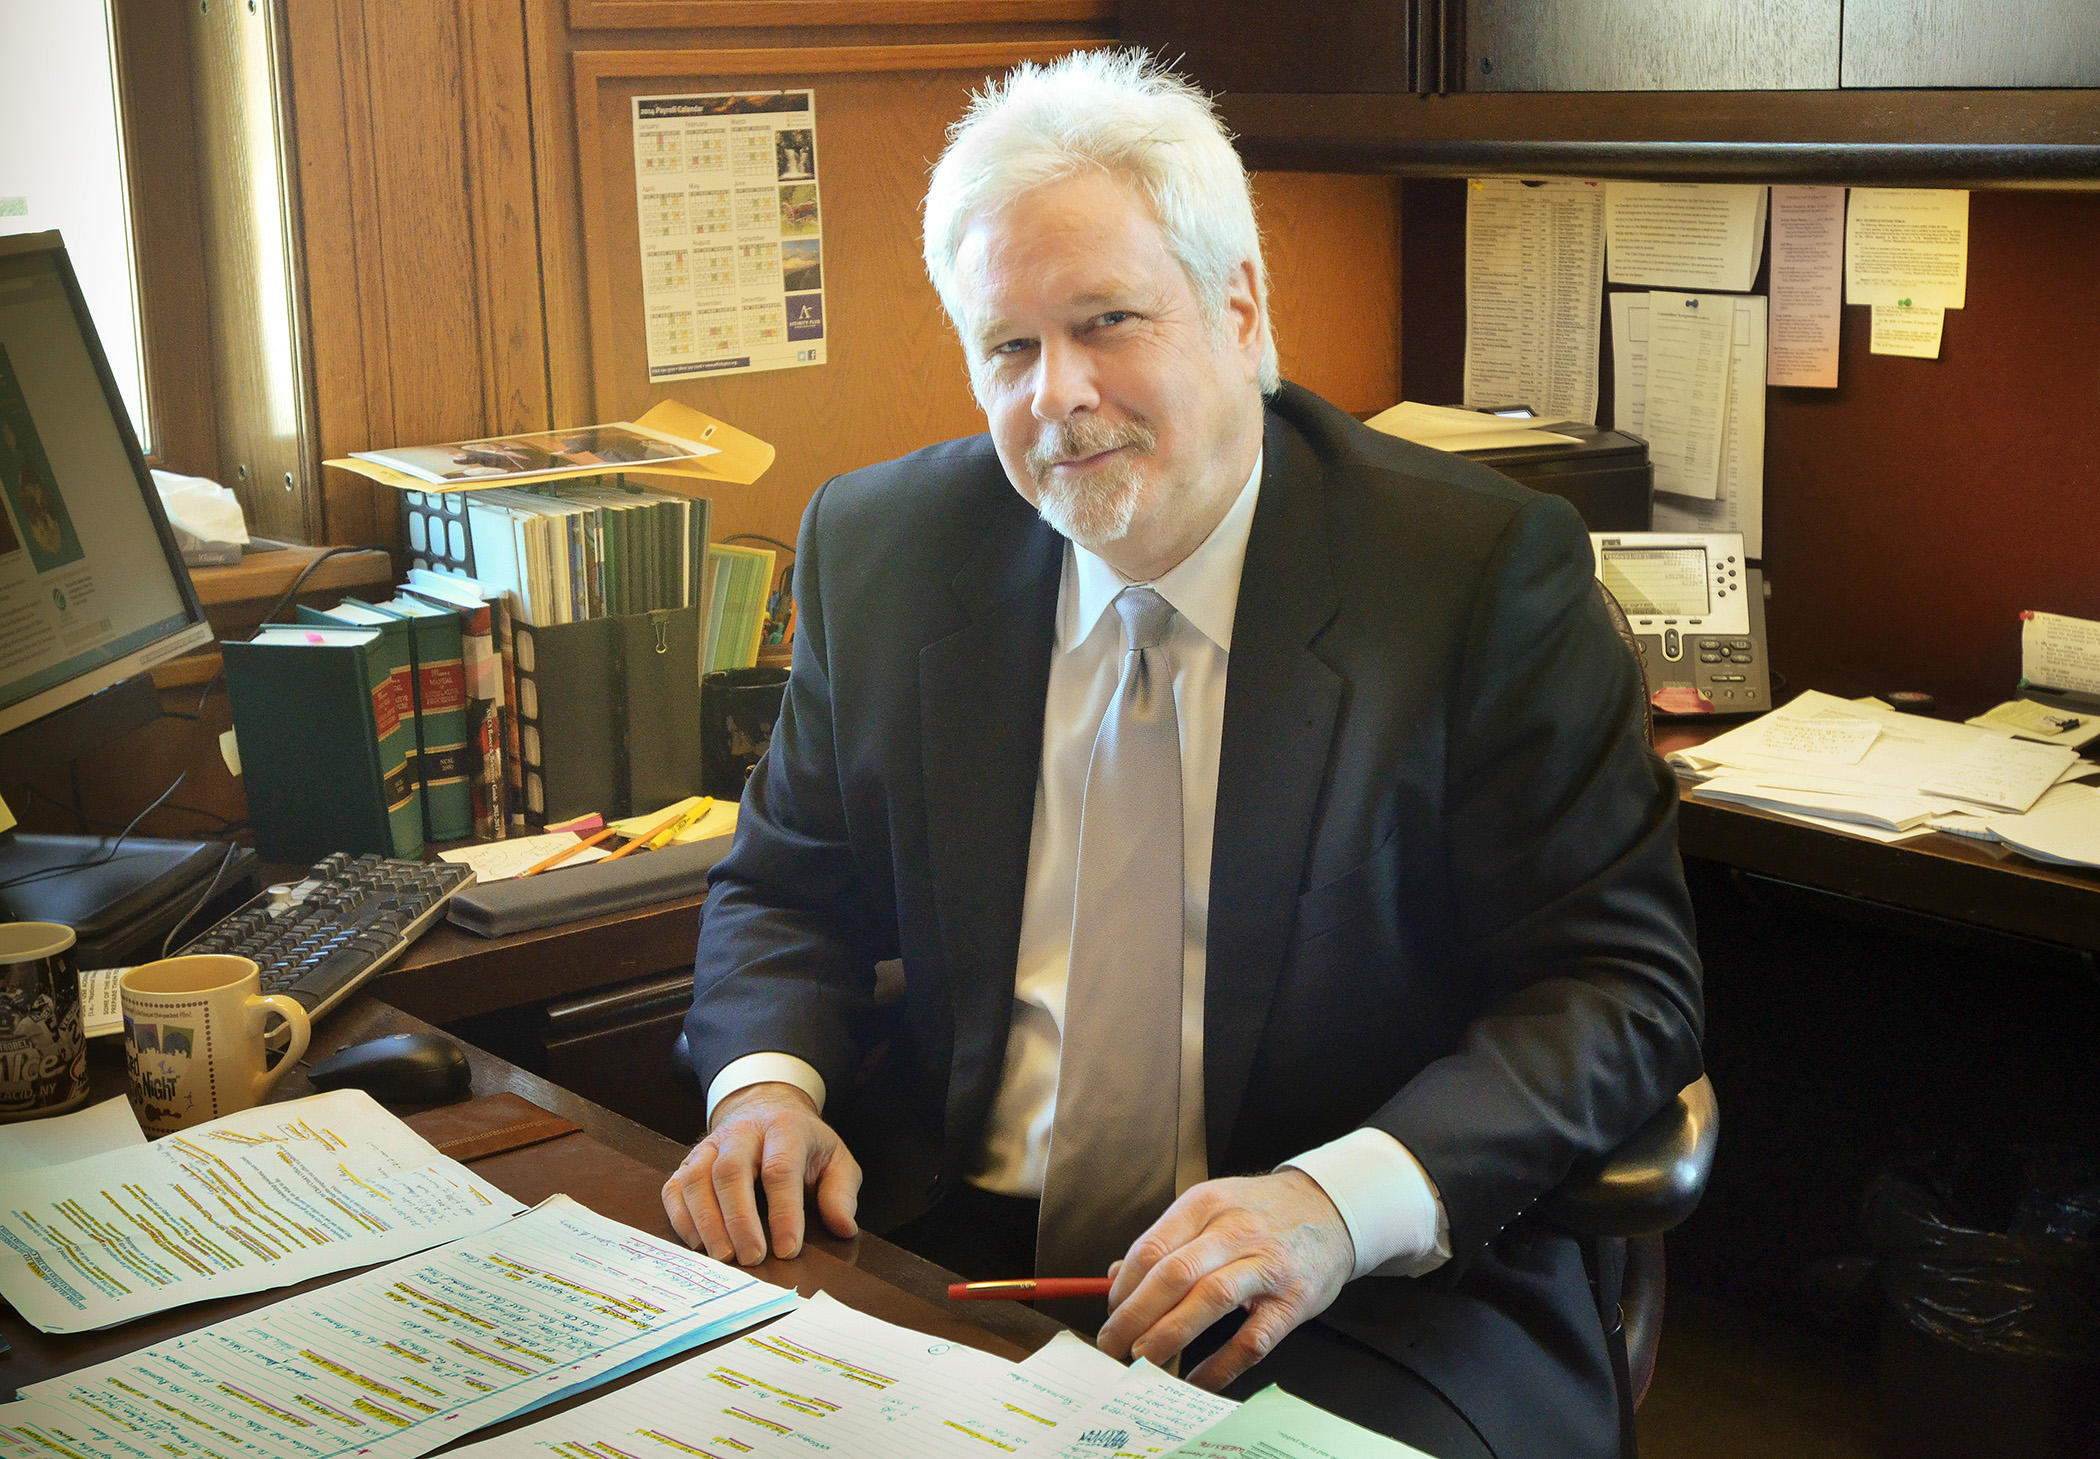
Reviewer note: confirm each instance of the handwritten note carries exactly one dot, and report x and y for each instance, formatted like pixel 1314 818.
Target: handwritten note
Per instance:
pixel 1151 1413
pixel 2001 772
pixel 2060 653
pixel 1817 741
pixel 503 860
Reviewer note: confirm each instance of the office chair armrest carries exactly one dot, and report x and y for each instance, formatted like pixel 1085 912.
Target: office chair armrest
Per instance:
pixel 682 1066
pixel 1651 1182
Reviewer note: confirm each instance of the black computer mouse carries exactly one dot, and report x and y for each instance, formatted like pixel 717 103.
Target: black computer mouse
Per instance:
pixel 404 1068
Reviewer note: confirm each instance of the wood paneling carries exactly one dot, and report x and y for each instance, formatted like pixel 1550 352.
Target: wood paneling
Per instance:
pixel 755 14
pixel 1651 45
pixel 1931 138
pixel 1332 245
pixel 415 159
pixel 895 378
pixel 1972 43
pixel 1914 511
pixel 167 219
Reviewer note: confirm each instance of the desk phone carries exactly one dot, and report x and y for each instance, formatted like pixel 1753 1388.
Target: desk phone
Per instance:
pixel 1698 612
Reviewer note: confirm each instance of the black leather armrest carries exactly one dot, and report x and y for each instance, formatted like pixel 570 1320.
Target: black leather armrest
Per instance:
pixel 1650 1183
pixel 682 1065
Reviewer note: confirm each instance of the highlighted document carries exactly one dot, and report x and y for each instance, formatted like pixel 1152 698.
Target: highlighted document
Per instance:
pixel 259 1199
pixel 394 1362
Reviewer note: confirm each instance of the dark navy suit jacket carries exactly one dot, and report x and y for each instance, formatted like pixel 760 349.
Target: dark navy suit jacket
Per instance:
pixel 1445 892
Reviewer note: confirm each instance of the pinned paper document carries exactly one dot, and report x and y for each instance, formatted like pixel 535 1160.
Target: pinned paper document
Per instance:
pixel 1899 330
pixel 1691 339
pixel 1808 285
pixel 1685 235
pixel 1740 506
pixel 1907 246
pixel 1534 294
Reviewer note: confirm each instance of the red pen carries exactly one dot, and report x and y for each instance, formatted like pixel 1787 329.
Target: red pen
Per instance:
pixel 1027 1289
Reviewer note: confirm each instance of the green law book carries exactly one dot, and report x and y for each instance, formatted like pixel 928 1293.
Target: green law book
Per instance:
pixel 441 716
pixel 400 657
pixel 322 744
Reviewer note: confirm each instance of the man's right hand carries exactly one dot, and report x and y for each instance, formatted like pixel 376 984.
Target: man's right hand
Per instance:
pixel 766 1135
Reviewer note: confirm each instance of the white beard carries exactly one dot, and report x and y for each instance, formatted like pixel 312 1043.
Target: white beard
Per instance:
pixel 1097 508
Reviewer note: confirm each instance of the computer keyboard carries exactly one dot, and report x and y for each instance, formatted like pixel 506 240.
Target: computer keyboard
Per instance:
pixel 319 938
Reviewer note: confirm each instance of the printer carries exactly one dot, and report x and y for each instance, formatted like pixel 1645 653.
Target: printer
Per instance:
pixel 1606 474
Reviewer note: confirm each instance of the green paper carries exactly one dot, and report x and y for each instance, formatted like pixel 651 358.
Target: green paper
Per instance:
pixel 1274 1425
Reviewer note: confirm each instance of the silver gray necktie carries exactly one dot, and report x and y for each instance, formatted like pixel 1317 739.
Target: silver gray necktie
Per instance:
pixel 1114 1133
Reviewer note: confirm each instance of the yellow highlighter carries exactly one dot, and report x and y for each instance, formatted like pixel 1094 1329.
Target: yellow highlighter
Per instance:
pixel 692 817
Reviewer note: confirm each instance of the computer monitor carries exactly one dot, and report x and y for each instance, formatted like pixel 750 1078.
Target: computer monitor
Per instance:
pixel 93 590
pixel 93 593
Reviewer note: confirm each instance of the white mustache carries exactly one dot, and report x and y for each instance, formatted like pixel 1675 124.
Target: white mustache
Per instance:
pixel 1068 442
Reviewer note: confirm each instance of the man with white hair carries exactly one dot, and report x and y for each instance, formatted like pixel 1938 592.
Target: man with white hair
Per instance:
pixel 1258 809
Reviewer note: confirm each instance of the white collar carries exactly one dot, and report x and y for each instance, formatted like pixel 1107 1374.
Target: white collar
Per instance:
pixel 1204 587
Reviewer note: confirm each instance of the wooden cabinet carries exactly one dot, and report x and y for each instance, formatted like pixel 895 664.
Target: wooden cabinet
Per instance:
pixel 1652 45
pixel 1724 90
pixel 1972 43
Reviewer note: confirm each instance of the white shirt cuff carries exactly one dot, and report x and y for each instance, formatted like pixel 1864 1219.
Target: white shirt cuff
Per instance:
pixel 766 1069
pixel 1387 1201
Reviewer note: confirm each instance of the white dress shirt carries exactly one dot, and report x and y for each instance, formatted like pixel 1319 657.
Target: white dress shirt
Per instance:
pixel 1385 1197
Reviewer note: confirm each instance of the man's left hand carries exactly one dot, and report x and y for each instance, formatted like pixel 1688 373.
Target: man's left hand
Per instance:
pixel 1273 1244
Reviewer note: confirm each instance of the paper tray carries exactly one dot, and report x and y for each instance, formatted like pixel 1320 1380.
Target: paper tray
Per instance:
pixel 570 894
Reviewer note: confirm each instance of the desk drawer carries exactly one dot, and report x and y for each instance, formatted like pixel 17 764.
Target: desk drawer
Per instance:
pixel 613 1046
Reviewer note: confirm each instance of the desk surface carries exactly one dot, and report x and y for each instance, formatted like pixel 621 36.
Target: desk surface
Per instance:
pixel 1938 875
pixel 451 974
pixel 865 1272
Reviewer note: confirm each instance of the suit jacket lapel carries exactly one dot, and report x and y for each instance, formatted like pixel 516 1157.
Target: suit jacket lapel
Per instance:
pixel 981 696
pixel 1280 706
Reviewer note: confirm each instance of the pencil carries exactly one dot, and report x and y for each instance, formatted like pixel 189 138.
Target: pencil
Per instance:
pixel 1025 1289
pixel 646 837
pixel 565 853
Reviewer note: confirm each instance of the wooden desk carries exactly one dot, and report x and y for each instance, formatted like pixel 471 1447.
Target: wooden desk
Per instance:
pixel 1951 878
pixel 865 1272
pixel 451 975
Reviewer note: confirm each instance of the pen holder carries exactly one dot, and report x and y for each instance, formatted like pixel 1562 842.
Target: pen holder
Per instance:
pixel 738 709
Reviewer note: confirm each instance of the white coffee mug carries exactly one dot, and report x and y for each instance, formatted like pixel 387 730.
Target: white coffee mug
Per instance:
pixel 195 1031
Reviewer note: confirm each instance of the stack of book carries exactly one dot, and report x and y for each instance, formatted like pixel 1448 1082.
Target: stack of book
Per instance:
pixel 587 549
pixel 324 721
pixel 736 621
